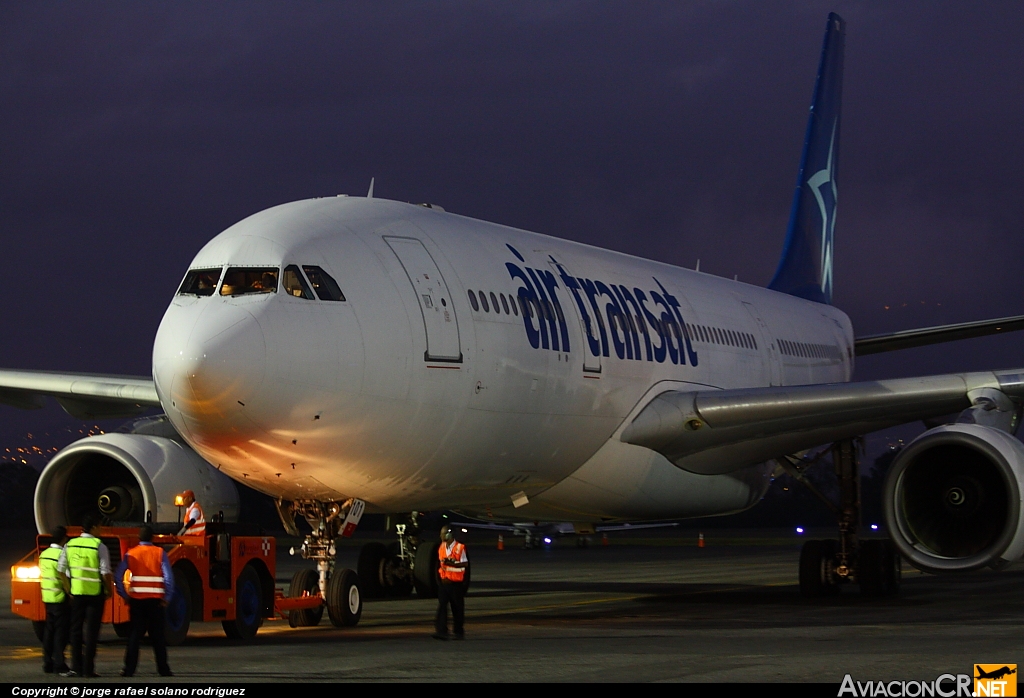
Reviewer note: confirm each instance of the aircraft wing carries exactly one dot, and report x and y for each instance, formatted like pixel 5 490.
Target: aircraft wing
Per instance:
pixel 82 395
pixel 718 431
pixel 906 339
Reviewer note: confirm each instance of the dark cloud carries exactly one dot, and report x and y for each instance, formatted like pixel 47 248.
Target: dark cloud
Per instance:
pixel 131 133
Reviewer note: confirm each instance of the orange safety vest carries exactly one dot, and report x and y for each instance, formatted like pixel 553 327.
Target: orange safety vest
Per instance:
pixel 145 577
pixel 451 574
pixel 195 511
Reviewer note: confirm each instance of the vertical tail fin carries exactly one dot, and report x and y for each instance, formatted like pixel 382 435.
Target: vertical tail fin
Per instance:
pixel 805 269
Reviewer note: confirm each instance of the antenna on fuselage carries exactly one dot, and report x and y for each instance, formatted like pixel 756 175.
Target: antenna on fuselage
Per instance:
pixel 369 194
pixel 697 268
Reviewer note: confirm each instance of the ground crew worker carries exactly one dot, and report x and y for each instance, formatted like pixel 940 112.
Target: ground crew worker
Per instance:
pixel 453 561
pixel 195 522
pixel 86 562
pixel 57 602
pixel 145 581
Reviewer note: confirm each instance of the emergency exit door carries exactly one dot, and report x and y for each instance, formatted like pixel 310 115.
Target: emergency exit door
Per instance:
pixel 436 307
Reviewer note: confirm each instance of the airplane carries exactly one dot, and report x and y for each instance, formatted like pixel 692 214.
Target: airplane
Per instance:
pixel 996 673
pixel 351 354
pixel 536 534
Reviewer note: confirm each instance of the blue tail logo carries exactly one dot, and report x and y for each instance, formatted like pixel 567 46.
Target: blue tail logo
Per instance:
pixel 805 269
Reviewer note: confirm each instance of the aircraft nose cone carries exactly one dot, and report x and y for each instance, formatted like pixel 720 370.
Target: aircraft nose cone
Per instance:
pixel 213 371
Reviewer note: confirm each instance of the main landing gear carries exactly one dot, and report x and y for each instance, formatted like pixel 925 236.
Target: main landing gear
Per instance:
pixel 827 565
pixel 339 588
pixel 395 570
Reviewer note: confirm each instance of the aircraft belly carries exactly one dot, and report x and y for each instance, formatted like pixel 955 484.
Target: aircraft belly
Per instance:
pixel 628 482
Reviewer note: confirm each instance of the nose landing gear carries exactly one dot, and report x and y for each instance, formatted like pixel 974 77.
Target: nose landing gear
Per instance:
pixel 339 588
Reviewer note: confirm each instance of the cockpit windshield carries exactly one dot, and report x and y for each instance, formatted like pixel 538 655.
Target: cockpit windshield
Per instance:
pixel 199 282
pixel 240 281
pixel 294 284
pixel 326 288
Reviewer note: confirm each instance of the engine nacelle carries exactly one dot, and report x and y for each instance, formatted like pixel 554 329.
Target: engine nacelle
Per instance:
pixel 122 477
pixel 952 499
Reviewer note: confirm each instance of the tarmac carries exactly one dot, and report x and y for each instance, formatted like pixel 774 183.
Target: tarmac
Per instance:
pixel 654 608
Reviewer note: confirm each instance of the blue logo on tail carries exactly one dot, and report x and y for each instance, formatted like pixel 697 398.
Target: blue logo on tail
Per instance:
pixel 805 269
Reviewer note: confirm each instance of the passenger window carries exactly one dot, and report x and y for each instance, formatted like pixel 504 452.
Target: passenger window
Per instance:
pixel 241 281
pixel 494 302
pixel 483 302
pixel 472 300
pixel 326 287
pixel 504 304
pixel 200 282
pixel 294 284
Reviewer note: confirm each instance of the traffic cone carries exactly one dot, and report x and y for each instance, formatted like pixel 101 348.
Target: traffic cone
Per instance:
pixel 501 542
pixel 700 540
pixel 604 539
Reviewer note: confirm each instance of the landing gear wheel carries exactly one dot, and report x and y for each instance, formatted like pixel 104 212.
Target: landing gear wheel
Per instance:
pixel 39 628
pixel 425 572
pixel 123 630
pixel 397 577
pixel 878 568
pixel 816 561
pixel 248 607
pixel 344 598
pixel 178 613
pixel 303 581
pixel 371 561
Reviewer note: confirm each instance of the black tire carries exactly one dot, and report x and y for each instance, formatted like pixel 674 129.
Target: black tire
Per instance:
pixel 39 628
pixel 178 613
pixel 370 567
pixel 344 598
pixel 398 582
pixel 248 606
pixel 878 568
pixel 425 572
pixel 122 630
pixel 816 558
pixel 302 581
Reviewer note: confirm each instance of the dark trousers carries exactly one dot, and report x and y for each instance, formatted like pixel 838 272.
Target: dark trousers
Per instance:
pixel 452 593
pixel 147 617
pixel 86 614
pixel 55 637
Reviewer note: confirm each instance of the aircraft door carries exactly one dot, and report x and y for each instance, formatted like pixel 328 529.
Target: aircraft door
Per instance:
pixel 769 352
pixel 436 307
pixel 589 333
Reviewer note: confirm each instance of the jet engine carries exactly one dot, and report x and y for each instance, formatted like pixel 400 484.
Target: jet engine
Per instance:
pixel 129 477
pixel 952 499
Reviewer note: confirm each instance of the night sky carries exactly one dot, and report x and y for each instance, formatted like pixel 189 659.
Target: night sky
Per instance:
pixel 132 133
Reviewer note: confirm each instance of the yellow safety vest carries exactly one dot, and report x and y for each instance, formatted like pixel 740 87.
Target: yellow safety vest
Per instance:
pixel 84 565
pixel 49 577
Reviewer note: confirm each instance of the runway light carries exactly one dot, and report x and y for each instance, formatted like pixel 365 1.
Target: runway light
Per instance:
pixel 874 527
pixel 547 541
pixel 800 530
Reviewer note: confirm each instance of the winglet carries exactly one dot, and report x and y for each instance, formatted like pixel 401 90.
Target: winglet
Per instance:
pixel 805 269
pixel 369 194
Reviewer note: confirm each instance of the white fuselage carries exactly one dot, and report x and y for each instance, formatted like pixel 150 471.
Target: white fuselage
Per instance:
pixel 408 397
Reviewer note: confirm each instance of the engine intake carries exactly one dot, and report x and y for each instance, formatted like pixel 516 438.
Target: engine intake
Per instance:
pixel 953 499
pixel 124 478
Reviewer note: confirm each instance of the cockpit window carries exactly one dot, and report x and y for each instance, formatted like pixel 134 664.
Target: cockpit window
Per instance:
pixel 199 282
pixel 326 288
pixel 240 281
pixel 293 283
